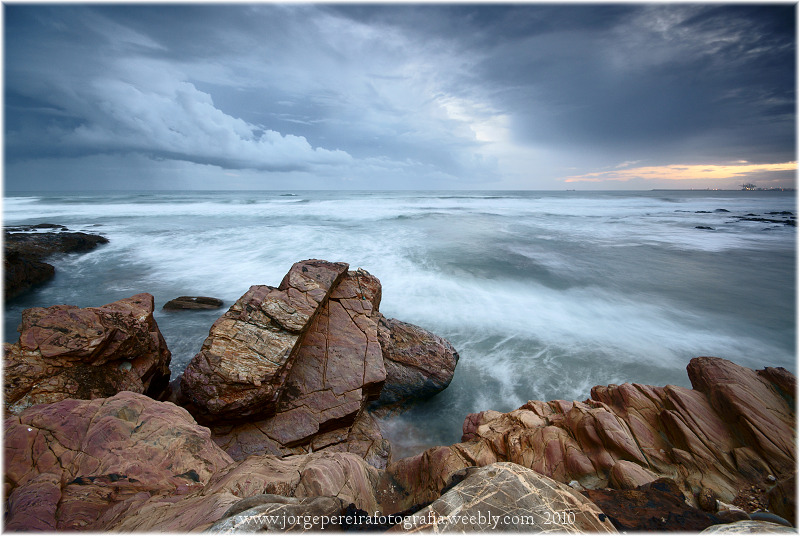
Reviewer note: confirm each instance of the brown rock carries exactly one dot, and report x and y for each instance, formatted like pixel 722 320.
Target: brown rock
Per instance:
pixel 239 372
pixel 711 437
pixel 782 499
pixel 418 363
pixel 68 352
pixel 508 497
pixel 193 302
pixel 707 500
pixel 658 506
pixel 80 464
pixel 282 514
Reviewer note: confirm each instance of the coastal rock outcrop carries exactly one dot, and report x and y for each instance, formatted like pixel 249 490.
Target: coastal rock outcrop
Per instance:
pixel 318 376
pixel 249 351
pixel 509 498
pixel 68 352
pixel 733 430
pixel 78 464
pixel 24 253
pixel 419 364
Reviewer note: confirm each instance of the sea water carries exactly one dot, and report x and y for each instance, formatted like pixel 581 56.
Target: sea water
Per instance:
pixel 543 294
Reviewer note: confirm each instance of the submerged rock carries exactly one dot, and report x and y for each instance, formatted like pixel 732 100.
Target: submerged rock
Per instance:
pixel 193 302
pixel 68 352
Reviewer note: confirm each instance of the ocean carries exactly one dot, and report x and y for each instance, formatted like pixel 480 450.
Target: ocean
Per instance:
pixel 543 294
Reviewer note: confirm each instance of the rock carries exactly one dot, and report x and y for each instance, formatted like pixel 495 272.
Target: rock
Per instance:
pixel 707 500
pixel 276 513
pixel 335 370
pixel 24 254
pixel 418 363
pixel 713 436
pixel 782 498
pixel 748 527
pixel 239 371
pixel 68 352
pixel 81 464
pixel 658 506
pixel 333 474
pixel 629 475
pixel 193 302
pixel 508 497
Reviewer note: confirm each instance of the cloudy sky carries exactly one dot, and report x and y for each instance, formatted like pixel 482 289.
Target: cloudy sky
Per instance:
pixel 397 96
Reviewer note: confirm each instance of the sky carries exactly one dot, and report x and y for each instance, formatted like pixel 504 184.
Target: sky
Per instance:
pixel 399 96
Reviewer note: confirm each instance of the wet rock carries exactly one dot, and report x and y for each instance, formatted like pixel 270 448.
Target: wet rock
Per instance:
pixel 68 352
pixel 239 371
pixel 24 254
pixel 418 363
pixel 193 302
pixel 713 436
pixel 508 497
pixel 81 464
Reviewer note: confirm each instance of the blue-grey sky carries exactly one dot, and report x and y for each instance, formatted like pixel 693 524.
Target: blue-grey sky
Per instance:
pixel 396 96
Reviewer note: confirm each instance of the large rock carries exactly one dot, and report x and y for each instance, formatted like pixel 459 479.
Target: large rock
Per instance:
pixel 510 498
pixel 712 437
pixel 24 253
pixel 332 371
pixel 193 302
pixel 418 363
pixel 248 354
pixel 82 464
pixel 68 352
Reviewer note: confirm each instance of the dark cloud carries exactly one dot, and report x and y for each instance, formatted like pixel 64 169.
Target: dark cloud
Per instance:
pixel 440 95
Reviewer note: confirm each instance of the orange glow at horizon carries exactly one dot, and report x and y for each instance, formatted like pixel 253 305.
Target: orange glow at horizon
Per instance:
pixel 683 172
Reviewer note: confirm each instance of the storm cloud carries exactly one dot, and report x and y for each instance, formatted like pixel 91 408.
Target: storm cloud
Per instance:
pixel 393 96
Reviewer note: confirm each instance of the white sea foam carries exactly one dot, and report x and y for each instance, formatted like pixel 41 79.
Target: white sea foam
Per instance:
pixel 544 295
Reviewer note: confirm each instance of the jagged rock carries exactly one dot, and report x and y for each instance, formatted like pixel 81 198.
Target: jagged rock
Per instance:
pixel 714 436
pixel 335 369
pixel 193 302
pixel 418 363
pixel 83 464
pixel 24 253
pixel 508 497
pixel 68 352
pixel 243 363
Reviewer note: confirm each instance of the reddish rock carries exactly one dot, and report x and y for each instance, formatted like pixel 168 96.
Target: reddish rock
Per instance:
pixel 68 352
pixel 418 363
pixel 193 302
pixel 81 464
pixel 713 437
pixel 240 370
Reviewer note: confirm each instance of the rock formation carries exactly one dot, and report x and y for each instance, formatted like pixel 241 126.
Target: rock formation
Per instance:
pixel 75 464
pixel 734 429
pixel 24 254
pixel 507 497
pixel 418 363
pixel 68 352
pixel 305 383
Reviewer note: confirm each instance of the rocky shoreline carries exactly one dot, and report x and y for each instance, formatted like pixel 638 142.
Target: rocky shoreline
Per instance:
pixel 26 248
pixel 271 427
